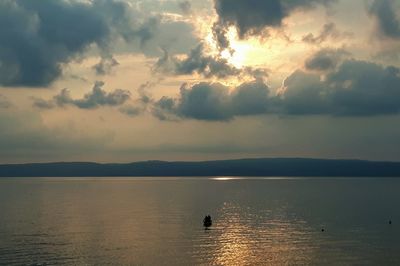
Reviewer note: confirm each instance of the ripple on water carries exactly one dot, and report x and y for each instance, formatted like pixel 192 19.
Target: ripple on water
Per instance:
pixel 255 222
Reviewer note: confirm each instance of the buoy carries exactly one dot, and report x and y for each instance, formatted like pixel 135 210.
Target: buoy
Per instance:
pixel 322 230
pixel 390 221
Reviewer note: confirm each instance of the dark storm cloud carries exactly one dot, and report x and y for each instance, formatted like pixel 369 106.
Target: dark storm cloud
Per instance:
pixel 251 17
pixel 353 88
pixel 325 59
pixel 96 98
pixel 388 21
pixel 38 36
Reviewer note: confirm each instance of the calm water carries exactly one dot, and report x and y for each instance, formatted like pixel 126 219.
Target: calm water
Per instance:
pixel 152 221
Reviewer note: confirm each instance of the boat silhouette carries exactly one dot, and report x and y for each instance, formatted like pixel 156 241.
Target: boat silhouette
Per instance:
pixel 207 222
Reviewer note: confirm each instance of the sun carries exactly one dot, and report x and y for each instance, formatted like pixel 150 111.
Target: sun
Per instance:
pixel 250 51
pixel 238 54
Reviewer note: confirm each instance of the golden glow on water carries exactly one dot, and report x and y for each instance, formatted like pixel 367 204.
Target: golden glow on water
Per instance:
pixel 235 247
pixel 245 239
pixel 151 222
pixel 224 178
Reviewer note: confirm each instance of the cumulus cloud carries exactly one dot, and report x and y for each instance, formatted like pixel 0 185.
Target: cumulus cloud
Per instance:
pixel 38 36
pixel 302 94
pixel 385 13
pixel 214 101
pixel 325 59
pixel 355 88
pixel 251 17
pixel 347 87
pixel 352 88
pixel 96 98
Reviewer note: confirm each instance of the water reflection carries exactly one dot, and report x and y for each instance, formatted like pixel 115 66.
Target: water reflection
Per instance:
pixel 235 243
pixel 244 237
pixel 225 178
pixel 152 222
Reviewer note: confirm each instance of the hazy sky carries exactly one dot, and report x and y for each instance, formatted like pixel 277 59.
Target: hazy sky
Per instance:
pixel 126 80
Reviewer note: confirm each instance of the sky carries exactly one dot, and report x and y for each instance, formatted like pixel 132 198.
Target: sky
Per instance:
pixel 133 80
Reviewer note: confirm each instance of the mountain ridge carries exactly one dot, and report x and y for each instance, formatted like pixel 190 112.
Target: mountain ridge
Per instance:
pixel 290 167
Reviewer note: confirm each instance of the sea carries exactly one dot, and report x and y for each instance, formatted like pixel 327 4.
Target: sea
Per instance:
pixel 159 221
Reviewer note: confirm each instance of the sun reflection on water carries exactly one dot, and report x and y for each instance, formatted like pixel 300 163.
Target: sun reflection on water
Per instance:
pixel 224 178
pixel 245 239
pixel 153 222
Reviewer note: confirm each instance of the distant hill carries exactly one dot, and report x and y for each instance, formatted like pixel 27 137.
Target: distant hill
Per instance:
pixel 244 167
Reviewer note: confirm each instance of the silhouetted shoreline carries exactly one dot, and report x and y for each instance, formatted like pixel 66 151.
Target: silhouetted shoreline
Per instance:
pixel 279 167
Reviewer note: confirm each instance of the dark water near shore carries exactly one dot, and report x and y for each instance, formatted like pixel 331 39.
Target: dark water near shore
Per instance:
pixel 157 221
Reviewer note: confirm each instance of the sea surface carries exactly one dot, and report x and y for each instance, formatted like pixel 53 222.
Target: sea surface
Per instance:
pixel 158 221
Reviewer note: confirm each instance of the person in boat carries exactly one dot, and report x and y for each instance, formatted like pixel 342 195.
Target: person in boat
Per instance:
pixel 207 222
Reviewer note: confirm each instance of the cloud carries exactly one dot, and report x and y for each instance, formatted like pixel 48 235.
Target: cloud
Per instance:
pixel 131 110
pixel 385 13
pixel 252 17
pixel 96 98
pixel 214 102
pixel 43 104
pixel 303 94
pixel 39 36
pixel 24 135
pixel 185 6
pixel 4 102
pixel 198 62
pixel 325 59
pixel 106 64
pixel 250 98
pixel 355 88
pixel 140 104
pixel 329 31
pixel 171 34
pixel 352 88
pixel 347 88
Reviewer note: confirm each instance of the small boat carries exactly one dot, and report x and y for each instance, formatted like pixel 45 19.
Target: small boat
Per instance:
pixel 207 222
